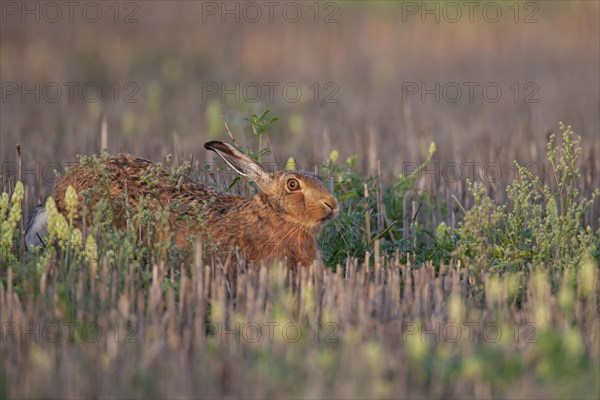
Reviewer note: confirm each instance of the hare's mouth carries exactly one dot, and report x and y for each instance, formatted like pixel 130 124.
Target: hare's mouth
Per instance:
pixel 331 215
pixel 326 218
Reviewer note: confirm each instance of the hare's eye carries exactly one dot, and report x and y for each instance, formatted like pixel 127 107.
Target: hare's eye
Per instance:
pixel 293 185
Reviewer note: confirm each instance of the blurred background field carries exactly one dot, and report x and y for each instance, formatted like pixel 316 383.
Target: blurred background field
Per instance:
pixel 423 250
pixel 171 53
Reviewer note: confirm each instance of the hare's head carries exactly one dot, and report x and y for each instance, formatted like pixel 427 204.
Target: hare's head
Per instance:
pixel 299 197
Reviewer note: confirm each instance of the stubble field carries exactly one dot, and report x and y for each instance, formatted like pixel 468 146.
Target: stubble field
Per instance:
pixel 464 154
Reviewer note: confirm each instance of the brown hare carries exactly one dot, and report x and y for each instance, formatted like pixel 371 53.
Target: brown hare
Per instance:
pixel 280 222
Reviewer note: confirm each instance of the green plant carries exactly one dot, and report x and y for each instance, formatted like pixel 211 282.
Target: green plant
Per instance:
pixel 540 224
pixel 259 124
pixel 371 211
pixel 10 215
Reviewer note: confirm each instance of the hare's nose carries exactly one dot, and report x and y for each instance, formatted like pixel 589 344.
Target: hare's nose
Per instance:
pixel 332 204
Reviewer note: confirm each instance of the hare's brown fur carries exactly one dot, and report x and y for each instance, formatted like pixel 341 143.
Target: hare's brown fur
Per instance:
pixel 276 223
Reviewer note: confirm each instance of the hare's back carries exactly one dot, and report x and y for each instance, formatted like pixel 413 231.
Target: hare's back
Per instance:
pixel 128 177
pixel 99 175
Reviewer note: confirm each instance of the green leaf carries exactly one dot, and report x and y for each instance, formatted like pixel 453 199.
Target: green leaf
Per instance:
pixel 348 195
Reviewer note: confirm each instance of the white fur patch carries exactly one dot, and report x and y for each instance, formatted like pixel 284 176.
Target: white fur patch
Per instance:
pixel 38 229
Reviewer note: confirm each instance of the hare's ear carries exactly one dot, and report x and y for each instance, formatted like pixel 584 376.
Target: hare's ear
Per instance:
pixel 240 162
